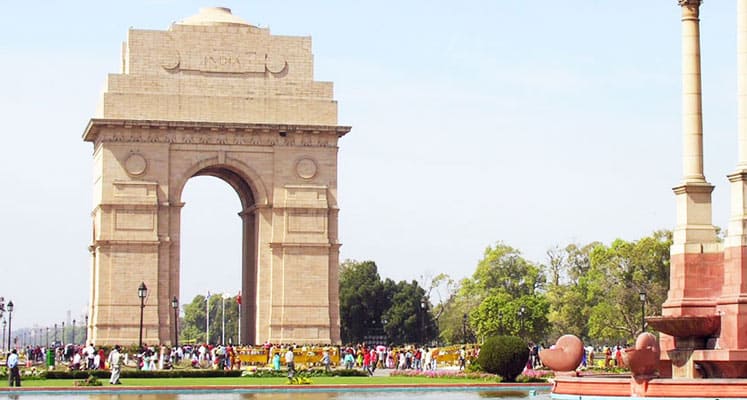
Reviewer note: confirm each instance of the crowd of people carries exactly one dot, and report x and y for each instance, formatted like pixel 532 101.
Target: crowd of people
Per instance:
pixel 359 356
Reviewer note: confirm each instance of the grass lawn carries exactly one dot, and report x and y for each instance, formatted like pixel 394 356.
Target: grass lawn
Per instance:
pixel 250 381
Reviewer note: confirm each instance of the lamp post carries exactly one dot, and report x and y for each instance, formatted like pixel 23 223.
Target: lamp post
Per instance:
pixel 175 306
pixel 238 304
pixel 86 341
pixel 223 319
pixel 47 337
pixel 464 327
pixel 73 338
pixel 522 312
pixel 63 333
pixel 142 291
pixel 642 296
pixel 207 318
pixel 422 320
pixel 10 320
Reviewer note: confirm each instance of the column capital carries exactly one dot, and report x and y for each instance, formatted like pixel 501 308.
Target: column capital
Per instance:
pixel 690 9
pixel 689 3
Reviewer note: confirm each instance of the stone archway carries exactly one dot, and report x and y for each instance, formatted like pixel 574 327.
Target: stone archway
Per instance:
pixel 248 214
pixel 214 95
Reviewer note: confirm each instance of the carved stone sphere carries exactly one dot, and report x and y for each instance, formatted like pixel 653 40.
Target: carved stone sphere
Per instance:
pixel 565 355
pixel 644 358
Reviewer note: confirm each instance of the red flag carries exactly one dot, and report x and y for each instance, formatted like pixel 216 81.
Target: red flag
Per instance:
pixel 238 298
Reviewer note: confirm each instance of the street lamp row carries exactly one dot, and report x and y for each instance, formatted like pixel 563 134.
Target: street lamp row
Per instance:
pixel 142 293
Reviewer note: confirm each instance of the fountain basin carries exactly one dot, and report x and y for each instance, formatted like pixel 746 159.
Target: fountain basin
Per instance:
pixel 686 326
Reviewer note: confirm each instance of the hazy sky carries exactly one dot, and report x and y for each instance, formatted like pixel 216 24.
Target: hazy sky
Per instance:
pixel 537 123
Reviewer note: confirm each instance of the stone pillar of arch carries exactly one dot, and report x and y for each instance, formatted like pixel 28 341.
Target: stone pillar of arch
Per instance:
pixel 732 305
pixel 696 263
pixel 215 95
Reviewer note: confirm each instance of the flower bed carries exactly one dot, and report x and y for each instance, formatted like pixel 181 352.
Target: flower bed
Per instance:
pixel 447 374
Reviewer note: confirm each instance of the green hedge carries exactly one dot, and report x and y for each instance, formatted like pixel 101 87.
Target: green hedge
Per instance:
pixel 505 356
pixel 198 373
pixel 311 372
pixel 132 373
pixel 348 372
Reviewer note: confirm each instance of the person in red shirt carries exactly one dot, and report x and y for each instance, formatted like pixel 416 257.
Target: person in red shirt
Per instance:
pixel 367 362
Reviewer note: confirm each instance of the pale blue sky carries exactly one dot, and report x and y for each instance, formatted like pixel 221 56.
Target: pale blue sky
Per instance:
pixel 539 123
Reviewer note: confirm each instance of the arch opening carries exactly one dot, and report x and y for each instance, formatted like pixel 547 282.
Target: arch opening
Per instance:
pixel 218 250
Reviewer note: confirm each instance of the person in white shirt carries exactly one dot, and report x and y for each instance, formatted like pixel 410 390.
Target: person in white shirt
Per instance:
pixel 115 361
pixel 76 361
pixel 14 377
pixel 90 356
pixel 289 362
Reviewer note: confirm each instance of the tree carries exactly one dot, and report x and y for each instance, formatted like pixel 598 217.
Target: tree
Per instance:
pixel 409 318
pixel 369 306
pixel 501 314
pixel 618 274
pixel 503 269
pixel 440 288
pixel 569 310
pixel 502 282
pixel 596 295
pixel 195 322
pixel 362 300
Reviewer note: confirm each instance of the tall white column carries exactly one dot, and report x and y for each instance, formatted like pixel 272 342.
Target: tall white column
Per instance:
pixel 692 109
pixel 694 226
pixel 742 83
pixel 738 222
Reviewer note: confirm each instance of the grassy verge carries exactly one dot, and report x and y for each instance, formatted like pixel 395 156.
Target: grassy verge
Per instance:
pixel 250 381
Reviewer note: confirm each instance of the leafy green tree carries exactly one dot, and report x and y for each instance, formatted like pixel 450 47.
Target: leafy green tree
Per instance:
pixel 369 306
pixel 501 314
pixel 618 274
pixel 409 318
pixel 503 282
pixel 567 293
pixel 193 324
pixel 362 300
pixel 503 269
pixel 454 324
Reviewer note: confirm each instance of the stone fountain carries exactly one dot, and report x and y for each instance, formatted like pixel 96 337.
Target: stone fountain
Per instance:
pixel 702 350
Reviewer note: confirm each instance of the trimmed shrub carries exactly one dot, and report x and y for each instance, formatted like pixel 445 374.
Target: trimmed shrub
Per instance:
pixel 505 356
pixel 90 381
pixel 348 372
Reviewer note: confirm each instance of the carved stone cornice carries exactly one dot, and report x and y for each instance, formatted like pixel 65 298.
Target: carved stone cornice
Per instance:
pixel 280 245
pixel 100 243
pixel 692 187
pixel 190 132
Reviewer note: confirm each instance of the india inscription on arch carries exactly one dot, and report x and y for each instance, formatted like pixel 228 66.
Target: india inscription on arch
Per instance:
pixel 214 95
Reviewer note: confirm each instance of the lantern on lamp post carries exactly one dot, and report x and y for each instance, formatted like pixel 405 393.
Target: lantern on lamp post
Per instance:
pixel 142 292
pixel 175 306
pixel 10 321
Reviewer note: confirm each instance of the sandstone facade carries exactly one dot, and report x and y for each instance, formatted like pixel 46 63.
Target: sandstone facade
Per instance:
pixel 214 95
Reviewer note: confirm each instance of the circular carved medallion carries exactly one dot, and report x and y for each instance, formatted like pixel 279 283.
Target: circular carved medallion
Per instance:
pixel 135 164
pixel 306 168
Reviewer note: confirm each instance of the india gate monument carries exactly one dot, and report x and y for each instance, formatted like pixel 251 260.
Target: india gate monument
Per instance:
pixel 214 95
